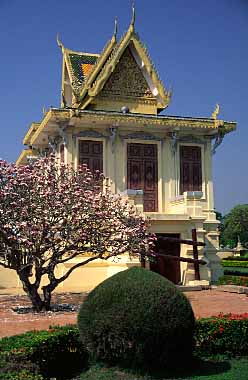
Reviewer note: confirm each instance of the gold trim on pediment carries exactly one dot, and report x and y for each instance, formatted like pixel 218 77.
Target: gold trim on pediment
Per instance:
pixel 56 114
pixel 111 59
pixel 23 155
pixel 142 100
pixel 98 65
pixel 28 135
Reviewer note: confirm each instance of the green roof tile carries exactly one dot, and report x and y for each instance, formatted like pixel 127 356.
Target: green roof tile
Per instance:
pixel 77 62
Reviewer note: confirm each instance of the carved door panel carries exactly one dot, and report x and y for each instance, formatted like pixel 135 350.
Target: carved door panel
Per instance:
pixel 142 172
pixel 167 267
pixel 91 154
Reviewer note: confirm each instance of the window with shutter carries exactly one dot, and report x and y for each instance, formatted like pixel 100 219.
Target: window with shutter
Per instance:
pixel 190 168
pixel 91 154
pixel 142 172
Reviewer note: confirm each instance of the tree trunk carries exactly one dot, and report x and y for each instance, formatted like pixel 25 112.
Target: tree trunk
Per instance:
pixel 32 291
pixel 47 297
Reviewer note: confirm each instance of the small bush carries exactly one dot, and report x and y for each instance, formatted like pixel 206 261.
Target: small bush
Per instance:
pixel 50 351
pixel 233 280
pixel 17 367
pixel 235 263
pixel 137 318
pixel 20 375
pixel 224 334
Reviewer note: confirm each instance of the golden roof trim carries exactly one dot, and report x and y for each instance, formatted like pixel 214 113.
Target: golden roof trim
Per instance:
pixel 107 50
pixel 98 65
pixel 66 52
pixel 24 153
pixel 58 114
pixel 41 126
pixel 69 51
pixel 33 127
pixel 118 118
pixel 204 123
pixel 113 59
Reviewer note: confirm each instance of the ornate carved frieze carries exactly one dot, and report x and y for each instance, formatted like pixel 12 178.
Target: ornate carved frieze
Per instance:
pixel 141 136
pixel 88 134
pixel 124 99
pixel 192 139
pixel 176 138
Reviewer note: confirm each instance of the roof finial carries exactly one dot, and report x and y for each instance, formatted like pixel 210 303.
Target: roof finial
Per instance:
pixel 133 13
pixel 216 112
pixel 116 27
pixel 59 42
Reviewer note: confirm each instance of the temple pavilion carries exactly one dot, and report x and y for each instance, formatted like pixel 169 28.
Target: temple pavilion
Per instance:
pixel 110 118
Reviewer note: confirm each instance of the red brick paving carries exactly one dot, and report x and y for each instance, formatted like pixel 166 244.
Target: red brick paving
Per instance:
pixel 205 303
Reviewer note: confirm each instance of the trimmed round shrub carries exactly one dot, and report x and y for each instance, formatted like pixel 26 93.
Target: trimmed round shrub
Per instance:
pixel 137 318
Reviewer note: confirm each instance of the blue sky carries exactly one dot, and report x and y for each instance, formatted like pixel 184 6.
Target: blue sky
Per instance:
pixel 200 48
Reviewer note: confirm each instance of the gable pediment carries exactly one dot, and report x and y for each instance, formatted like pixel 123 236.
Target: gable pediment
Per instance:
pixel 127 80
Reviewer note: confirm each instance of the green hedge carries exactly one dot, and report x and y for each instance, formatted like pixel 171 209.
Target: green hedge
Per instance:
pixel 233 280
pixel 20 375
pixel 57 352
pixel 234 263
pixel 235 258
pixel 22 357
pixel 222 335
pixel 236 271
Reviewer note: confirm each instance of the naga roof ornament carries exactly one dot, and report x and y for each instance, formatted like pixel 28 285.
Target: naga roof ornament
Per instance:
pixel 216 112
pixel 59 43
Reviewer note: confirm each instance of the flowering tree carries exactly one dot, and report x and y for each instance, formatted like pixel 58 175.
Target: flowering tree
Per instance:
pixel 51 214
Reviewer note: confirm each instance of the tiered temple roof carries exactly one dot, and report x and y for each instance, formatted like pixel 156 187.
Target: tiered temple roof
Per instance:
pixel 122 73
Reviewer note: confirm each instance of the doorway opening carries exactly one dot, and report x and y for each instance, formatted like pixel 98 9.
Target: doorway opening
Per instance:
pixel 165 266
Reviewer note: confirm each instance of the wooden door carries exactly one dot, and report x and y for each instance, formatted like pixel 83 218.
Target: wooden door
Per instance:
pixel 142 172
pixel 167 267
pixel 91 154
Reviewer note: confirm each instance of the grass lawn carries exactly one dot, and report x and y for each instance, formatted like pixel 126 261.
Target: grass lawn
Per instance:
pixel 233 369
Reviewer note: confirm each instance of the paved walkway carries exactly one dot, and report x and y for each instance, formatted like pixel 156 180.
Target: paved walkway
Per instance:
pixel 205 303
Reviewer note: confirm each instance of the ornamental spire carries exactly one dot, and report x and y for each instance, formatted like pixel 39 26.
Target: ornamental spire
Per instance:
pixel 116 27
pixel 133 14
